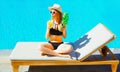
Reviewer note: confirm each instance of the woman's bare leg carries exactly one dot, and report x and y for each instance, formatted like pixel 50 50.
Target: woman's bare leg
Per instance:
pixel 64 48
pixel 44 46
pixel 48 49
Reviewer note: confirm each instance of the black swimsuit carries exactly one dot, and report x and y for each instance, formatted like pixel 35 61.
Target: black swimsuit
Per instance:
pixel 55 32
pixel 55 45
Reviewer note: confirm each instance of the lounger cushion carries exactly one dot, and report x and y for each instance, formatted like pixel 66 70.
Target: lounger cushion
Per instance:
pixel 30 51
pixel 96 38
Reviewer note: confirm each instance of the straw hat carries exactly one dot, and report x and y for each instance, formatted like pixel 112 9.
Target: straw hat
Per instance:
pixel 56 7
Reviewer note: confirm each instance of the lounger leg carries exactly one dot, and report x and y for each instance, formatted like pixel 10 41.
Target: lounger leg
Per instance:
pixel 104 51
pixel 15 68
pixel 114 67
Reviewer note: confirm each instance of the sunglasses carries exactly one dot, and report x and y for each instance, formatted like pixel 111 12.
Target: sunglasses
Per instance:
pixel 52 12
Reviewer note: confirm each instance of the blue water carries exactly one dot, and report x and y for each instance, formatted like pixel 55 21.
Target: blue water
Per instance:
pixel 25 20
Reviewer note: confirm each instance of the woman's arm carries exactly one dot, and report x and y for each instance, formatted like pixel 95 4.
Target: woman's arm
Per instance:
pixel 64 32
pixel 47 33
pixel 48 29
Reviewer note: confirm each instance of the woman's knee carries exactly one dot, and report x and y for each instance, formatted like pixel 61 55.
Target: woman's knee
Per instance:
pixel 69 47
pixel 44 46
pixel 65 48
pixel 41 48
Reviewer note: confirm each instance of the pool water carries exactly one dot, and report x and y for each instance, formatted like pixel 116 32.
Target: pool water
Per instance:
pixel 25 20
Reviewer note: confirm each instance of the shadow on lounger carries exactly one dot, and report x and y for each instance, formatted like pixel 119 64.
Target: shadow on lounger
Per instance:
pixel 81 42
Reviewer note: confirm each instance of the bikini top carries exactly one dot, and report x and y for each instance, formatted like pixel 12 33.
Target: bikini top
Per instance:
pixel 55 32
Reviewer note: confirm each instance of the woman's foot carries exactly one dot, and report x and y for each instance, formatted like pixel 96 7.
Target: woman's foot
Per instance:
pixel 60 55
pixel 65 55
pixel 43 54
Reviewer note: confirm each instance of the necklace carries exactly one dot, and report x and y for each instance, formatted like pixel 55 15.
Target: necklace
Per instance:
pixel 55 25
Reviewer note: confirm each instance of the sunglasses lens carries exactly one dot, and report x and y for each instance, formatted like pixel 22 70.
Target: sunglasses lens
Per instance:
pixel 52 12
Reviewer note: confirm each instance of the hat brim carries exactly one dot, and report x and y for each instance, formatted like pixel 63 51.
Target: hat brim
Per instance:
pixel 50 8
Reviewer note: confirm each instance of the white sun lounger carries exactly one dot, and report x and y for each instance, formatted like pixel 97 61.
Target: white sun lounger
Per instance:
pixel 27 53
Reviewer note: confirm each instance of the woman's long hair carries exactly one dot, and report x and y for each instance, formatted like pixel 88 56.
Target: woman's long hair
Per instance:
pixel 57 17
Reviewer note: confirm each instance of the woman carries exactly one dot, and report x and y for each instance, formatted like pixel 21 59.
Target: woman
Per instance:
pixel 55 32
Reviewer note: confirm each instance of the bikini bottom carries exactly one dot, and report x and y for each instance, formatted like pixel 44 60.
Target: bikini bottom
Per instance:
pixel 54 44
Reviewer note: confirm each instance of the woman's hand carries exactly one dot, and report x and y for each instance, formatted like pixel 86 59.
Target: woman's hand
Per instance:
pixel 49 24
pixel 64 32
